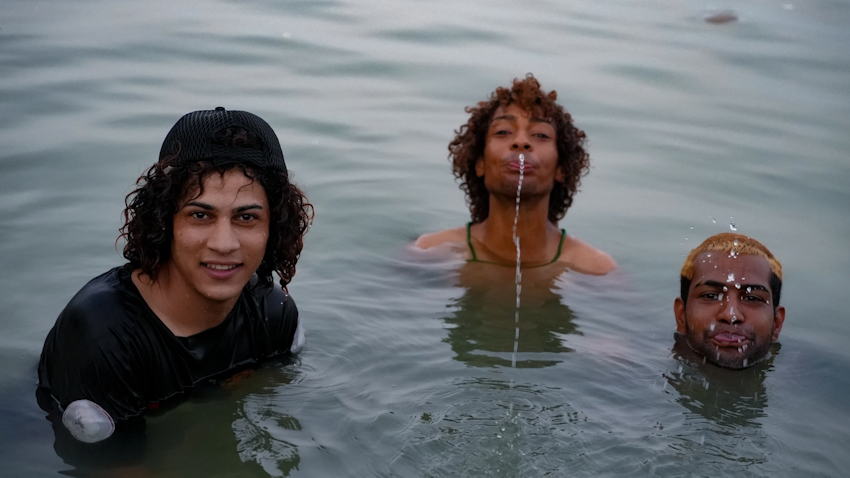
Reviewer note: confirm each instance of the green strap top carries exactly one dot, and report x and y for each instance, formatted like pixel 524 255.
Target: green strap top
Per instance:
pixel 475 258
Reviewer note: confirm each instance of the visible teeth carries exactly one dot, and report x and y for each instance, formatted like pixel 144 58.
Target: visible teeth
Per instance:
pixel 220 267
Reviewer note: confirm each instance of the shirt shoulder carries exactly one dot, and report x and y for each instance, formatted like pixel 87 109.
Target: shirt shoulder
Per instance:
pixel 279 318
pixel 92 351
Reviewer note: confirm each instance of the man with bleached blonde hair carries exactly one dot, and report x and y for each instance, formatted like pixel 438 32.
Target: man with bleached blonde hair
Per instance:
pixel 729 308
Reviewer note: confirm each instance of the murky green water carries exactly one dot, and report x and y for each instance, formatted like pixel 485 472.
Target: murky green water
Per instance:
pixel 407 368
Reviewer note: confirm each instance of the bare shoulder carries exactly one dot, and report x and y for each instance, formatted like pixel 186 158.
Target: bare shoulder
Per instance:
pixel 434 239
pixel 584 258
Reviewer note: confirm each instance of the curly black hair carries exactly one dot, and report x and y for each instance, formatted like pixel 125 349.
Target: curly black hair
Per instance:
pixel 150 209
pixel 468 146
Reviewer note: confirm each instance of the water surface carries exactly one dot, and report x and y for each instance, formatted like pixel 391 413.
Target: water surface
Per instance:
pixel 407 371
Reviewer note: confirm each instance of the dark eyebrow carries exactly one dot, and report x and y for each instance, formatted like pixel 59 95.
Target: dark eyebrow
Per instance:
pixel 533 119
pixel 199 204
pixel 248 207
pixel 209 207
pixel 720 285
pixel 711 283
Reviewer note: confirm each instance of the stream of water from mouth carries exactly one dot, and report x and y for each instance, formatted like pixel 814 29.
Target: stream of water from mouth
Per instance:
pixel 518 278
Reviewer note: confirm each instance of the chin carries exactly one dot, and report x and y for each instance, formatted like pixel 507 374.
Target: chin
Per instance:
pixel 222 294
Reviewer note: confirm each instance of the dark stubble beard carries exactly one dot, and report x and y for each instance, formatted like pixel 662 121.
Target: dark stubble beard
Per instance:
pixel 755 352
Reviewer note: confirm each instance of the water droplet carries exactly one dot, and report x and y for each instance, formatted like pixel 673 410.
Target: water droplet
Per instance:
pixel 732 224
pixel 705 384
pixel 737 285
pixel 739 350
pixel 730 277
pixel 745 362
pixel 712 327
pixel 709 254
pixel 692 228
pixel 745 347
pixel 713 221
pixel 680 369
pixel 749 289
pixel 735 243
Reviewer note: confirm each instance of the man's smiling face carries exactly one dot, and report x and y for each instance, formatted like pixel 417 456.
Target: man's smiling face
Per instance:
pixel 220 236
pixel 730 317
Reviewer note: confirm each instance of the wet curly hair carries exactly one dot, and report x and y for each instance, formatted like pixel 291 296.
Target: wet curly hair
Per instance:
pixel 148 228
pixel 468 146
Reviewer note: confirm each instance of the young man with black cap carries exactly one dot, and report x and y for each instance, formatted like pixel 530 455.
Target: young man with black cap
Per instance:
pixel 205 229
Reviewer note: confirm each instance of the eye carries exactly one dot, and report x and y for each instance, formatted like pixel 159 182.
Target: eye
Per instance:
pixel 247 217
pixel 198 215
pixel 542 136
pixel 501 132
pixel 712 296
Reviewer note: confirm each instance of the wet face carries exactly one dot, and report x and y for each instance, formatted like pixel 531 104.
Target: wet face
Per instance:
pixel 729 317
pixel 514 131
pixel 220 236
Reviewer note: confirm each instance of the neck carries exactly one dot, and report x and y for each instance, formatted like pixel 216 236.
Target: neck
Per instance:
pixel 182 309
pixel 533 228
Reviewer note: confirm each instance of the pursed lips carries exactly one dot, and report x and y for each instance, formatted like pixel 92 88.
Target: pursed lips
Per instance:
pixel 513 163
pixel 729 337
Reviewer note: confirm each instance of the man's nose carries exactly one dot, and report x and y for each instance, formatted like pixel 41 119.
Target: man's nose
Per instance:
pixel 223 238
pixel 729 311
pixel 521 142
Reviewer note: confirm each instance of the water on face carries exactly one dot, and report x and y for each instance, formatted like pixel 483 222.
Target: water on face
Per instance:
pixel 410 357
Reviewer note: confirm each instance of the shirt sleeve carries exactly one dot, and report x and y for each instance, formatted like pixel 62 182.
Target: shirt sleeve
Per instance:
pixel 92 353
pixel 284 324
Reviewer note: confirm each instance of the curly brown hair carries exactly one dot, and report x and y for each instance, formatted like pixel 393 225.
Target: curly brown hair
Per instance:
pixel 150 209
pixel 468 146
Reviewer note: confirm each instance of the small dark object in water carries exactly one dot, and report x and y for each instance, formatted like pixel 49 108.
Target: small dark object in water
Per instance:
pixel 725 16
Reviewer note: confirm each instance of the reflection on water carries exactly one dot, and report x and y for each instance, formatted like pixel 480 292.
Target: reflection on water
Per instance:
pixel 483 325
pixel 723 396
pixel 261 430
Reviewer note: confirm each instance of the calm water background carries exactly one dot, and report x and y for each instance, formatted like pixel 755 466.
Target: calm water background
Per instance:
pixel 405 371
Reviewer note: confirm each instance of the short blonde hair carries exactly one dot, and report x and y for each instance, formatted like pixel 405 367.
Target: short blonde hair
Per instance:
pixel 728 242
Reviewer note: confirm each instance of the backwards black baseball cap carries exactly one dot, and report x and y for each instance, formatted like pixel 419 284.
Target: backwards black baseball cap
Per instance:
pixel 193 139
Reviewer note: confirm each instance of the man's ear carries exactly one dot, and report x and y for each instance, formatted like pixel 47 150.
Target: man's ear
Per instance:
pixel 679 311
pixel 559 174
pixel 778 320
pixel 479 167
